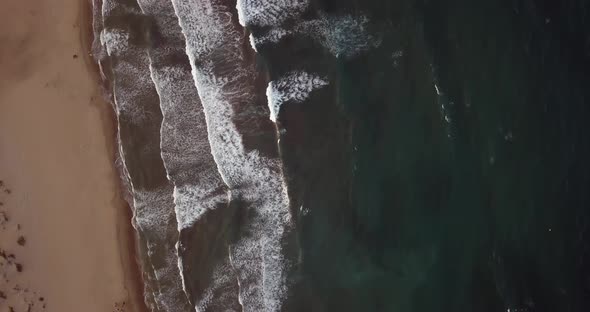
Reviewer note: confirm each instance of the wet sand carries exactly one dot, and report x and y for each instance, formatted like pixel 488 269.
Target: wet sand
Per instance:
pixel 66 242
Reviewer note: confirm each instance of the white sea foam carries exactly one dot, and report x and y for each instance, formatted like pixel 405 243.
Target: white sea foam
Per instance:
pixel 115 40
pixel 273 35
pixel 257 180
pixel 225 82
pixel 216 298
pixel 269 13
pixel 252 41
pixel 198 186
pixel 137 109
pixel 343 35
pixel 294 86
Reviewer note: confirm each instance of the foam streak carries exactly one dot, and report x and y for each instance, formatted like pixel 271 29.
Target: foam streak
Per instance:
pixel 226 81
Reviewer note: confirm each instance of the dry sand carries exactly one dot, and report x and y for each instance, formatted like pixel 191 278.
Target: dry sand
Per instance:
pixel 59 187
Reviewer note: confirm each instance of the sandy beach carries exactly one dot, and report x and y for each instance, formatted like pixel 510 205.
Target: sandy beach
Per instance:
pixel 66 241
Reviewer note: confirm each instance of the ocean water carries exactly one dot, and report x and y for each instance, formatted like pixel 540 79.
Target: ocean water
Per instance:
pixel 305 155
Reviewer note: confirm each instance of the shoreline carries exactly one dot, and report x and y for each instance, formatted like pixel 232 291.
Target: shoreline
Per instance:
pixel 66 237
pixel 127 235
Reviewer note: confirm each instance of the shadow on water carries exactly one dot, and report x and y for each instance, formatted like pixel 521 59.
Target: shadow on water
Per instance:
pixel 205 244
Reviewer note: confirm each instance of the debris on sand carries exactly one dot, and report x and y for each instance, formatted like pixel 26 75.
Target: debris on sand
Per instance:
pixel 14 296
pixel 3 219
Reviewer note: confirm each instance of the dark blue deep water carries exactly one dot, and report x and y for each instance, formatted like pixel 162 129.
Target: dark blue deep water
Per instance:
pixel 446 170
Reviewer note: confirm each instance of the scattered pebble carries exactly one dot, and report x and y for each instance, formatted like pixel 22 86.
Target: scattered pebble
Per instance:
pixel 19 296
pixel 119 306
pixel 3 218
